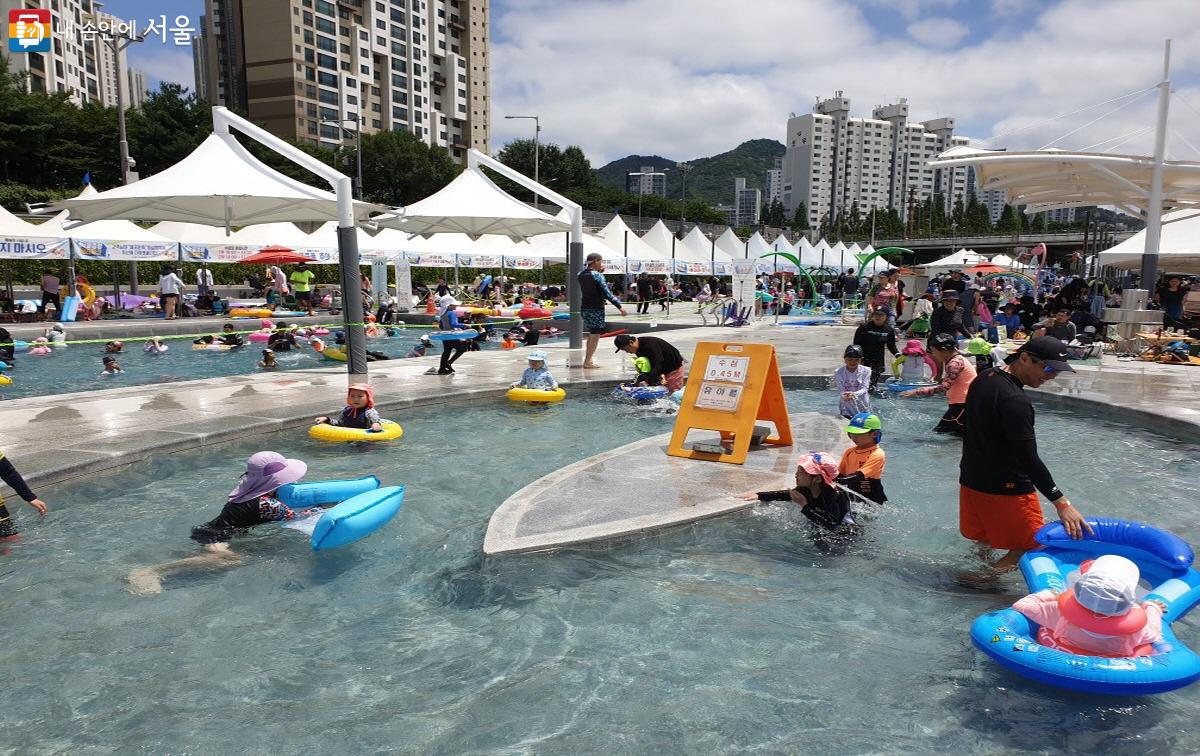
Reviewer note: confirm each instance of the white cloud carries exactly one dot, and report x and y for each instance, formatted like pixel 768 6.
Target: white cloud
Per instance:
pixel 687 78
pixel 911 9
pixel 938 32
pixel 163 63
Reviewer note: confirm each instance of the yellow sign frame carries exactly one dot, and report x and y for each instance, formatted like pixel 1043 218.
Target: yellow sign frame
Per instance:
pixel 761 398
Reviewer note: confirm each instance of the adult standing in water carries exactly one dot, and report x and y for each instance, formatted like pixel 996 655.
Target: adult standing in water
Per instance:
pixel 666 363
pixel 594 291
pixel 1001 472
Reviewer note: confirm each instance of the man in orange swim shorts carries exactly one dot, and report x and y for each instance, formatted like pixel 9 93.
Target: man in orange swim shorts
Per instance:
pixel 1001 472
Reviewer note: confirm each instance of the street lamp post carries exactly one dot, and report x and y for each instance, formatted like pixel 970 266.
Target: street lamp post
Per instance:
pixel 358 181
pixel 118 43
pixel 641 191
pixel 537 130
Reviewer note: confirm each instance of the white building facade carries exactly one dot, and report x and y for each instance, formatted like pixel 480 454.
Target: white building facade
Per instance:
pixel 747 203
pixel 775 183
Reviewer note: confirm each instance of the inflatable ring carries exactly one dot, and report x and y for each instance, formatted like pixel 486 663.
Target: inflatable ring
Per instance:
pixel 899 386
pixel 1163 559
pixel 259 337
pixel 467 334
pixel 357 517
pixel 534 312
pixel 832 305
pixel 3 365
pixel 245 312
pixel 333 353
pixel 289 313
pixel 326 432
pixel 5 380
pixel 20 346
pixel 213 347
pixel 641 394
pixel 316 493
pixel 536 395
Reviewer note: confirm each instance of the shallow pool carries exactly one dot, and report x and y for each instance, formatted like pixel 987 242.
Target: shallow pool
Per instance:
pixel 77 367
pixel 730 635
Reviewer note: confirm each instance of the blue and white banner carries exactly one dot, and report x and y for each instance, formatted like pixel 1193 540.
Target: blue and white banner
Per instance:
pixel 33 248
pixel 615 266
pixel 522 263
pixel 421 260
pixel 218 253
pixel 97 249
pixel 659 267
pixel 684 268
pixel 480 261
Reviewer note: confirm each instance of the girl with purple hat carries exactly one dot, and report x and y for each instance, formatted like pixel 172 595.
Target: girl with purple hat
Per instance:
pixel 252 502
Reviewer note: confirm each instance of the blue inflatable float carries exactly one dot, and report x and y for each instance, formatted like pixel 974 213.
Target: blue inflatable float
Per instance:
pixel 357 517
pixel 316 493
pixel 461 335
pixel 898 385
pixel 810 321
pixel 1165 561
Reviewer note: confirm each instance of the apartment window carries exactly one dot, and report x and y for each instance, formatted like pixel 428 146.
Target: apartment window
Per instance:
pixel 365 70
pixel 416 37
pixel 380 7
pixel 462 108
pixel 399 49
pixel 308 37
pixel 327 61
pixel 345 65
pixel 462 93
pixel 462 79
pixel 325 8
pixel 327 79
pixel 327 97
pixel 454 48
pixel 374 91
pixel 381 24
pixel 364 36
pixel 327 26
pixel 326 44
pixel 399 65
pixel 351 100
pixel 401 113
pixel 308 18
pixel 398 16
pixel 310 56
pixel 375 124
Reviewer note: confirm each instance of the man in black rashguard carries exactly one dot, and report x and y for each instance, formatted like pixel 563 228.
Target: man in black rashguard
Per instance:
pixel 13 479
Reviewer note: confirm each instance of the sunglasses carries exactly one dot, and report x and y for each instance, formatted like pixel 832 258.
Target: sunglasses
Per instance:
pixel 1045 368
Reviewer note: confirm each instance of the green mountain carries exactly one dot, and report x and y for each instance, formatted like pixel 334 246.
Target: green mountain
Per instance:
pixel 710 178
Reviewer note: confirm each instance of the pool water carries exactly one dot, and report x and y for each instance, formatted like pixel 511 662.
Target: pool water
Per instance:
pixel 77 367
pixel 729 635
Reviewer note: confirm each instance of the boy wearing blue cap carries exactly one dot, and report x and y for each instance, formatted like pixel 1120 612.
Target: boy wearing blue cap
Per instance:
pixel 861 467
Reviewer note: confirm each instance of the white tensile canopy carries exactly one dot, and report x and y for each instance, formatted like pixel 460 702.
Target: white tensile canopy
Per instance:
pixel 105 230
pixel 189 233
pixel 964 258
pixel 472 204
pixel 1004 261
pixel 699 248
pixel 219 184
pixel 11 225
pixel 757 247
pixel 1180 246
pixel 729 243
pixel 282 234
pixel 20 240
pixel 781 244
pixel 617 234
pixel 325 237
pixel 876 265
pixel 809 257
pixel 1050 179
pixel 659 237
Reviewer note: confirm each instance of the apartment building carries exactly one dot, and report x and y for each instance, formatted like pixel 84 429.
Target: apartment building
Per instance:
pixel 747 203
pixel 302 67
pixel 78 62
pixel 200 62
pixel 834 161
pixel 646 180
pixel 774 183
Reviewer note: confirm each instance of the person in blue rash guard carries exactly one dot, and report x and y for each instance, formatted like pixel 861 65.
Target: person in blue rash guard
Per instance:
pixel 594 292
pixel 13 479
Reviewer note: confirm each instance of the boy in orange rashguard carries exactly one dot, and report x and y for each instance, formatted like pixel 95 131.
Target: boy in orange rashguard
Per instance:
pixel 861 468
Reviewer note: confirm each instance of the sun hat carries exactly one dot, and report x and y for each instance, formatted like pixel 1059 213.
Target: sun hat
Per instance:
pixel 265 472
pixel 537 356
pixel 854 351
pixel 949 294
pixel 366 388
pixel 448 300
pixel 821 464
pixel 913 347
pixel 978 346
pixel 864 422
pixel 1104 598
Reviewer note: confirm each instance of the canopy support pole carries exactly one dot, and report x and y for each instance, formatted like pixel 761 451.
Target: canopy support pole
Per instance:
pixel 1154 209
pixel 352 311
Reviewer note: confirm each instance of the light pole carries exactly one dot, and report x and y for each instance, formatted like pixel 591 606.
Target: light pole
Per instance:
pixel 118 43
pixel 358 183
pixel 537 130
pixel 683 172
pixel 641 191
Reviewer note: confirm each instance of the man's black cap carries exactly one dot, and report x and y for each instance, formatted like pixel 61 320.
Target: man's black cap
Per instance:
pixel 1049 350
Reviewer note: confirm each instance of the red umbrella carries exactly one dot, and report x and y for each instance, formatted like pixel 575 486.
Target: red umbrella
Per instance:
pixel 275 255
pixel 987 268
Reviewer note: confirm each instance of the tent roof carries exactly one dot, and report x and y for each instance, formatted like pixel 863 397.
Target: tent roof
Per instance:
pixel 1180 246
pixel 283 234
pixel 614 236
pixel 472 204
pixel 190 233
pixel 1050 179
pixel 659 238
pixel 325 237
pixel 729 243
pixel 108 230
pixel 699 248
pixel 961 259
pixel 11 225
pixel 220 183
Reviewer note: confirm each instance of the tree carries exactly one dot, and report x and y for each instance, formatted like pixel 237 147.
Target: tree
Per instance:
pixel 399 168
pixel 800 217
pixel 167 127
pixel 1010 221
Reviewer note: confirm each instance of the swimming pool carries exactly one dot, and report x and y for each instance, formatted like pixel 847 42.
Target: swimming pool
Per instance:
pixel 77 367
pixel 729 635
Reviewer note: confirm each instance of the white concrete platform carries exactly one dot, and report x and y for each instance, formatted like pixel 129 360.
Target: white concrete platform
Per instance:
pixel 638 488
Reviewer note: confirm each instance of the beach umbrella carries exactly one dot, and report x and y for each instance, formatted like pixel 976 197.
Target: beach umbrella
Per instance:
pixel 275 255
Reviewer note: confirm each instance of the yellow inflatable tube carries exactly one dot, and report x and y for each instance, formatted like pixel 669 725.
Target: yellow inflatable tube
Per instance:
pixel 5 380
pixel 333 353
pixel 245 312
pixel 536 395
pixel 324 432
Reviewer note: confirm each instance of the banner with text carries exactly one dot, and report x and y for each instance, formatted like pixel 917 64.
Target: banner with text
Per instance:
pixel 522 263
pixel 96 249
pixel 33 248
pixel 421 260
pixel 479 261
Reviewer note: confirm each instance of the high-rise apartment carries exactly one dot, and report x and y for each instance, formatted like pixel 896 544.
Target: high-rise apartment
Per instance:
pixel 646 180
pixel 79 62
pixel 834 161
pixel 301 67
pixel 775 182
pixel 747 202
pixel 200 63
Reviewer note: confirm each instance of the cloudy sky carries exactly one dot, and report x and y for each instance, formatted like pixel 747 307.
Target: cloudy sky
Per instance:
pixel 690 78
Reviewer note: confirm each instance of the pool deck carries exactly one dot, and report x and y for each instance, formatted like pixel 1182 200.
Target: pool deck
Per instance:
pixel 644 490
pixel 59 437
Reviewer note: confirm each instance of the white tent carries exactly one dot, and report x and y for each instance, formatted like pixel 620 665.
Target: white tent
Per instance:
pixel 325 237
pixel 876 265
pixel 782 264
pixel 757 247
pixel 963 258
pixel 1180 246
pixel 109 239
pixel 660 238
pixel 472 204
pixel 1004 261
pixel 11 225
pixel 729 243
pixel 25 241
pixel 621 239
pixel 809 257
pixel 219 184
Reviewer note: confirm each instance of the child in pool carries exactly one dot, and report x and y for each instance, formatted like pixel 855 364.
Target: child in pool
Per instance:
pixel 508 342
pixel 819 499
pixel 230 337
pixel 13 479
pixel 915 366
pixel 861 466
pixel 154 346
pixel 252 502
pixel 536 376
pixel 418 349
pixel 56 335
pixel 111 367
pixel 268 360
pixel 114 347
pixel 853 382
pixel 359 411
pixel 1098 615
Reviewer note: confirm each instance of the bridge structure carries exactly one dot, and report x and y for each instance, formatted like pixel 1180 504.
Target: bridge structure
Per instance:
pixel 1058 244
